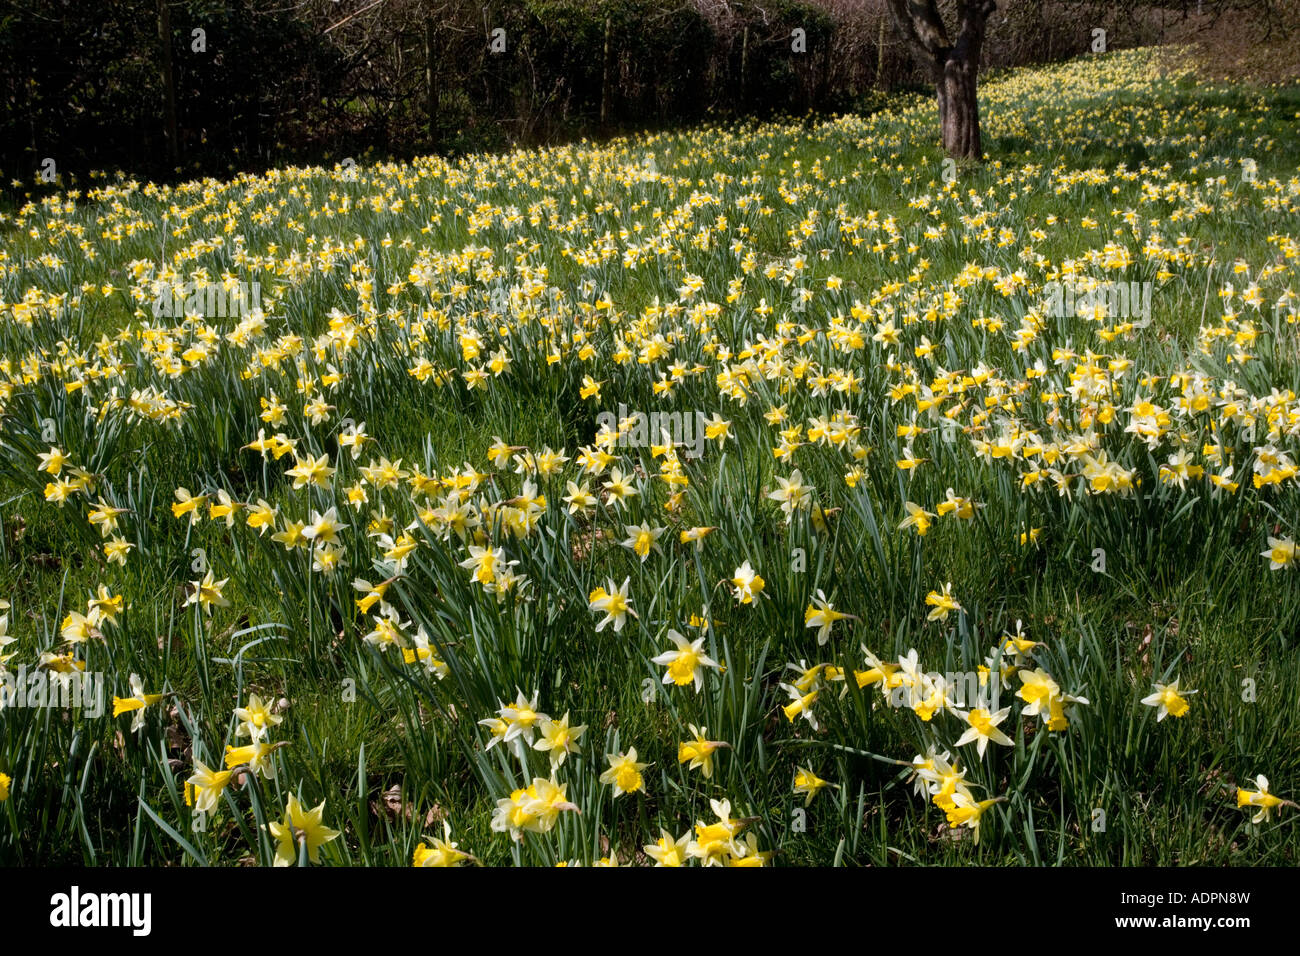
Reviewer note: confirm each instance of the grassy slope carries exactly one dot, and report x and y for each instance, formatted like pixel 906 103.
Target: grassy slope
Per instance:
pixel 1182 568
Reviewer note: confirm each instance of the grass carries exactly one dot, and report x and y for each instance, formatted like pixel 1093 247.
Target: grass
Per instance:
pixel 829 278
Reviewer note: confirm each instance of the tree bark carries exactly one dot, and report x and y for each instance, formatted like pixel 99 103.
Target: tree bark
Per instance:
pixel 168 84
pixel 744 56
pixel 880 55
pixel 959 115
pixel 431 80
pixel 953 66
pixel 604 77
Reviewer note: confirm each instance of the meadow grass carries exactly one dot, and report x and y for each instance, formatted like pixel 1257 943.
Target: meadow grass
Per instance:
pixel 1100 503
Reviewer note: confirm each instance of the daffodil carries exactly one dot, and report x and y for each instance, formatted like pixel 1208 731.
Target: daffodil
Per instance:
pixel 982 727
pixel 613 603
pixel 716 428
pixel 558 739
pixel 535 808
pixel 300 828
pixel 77 628
pixel 746 584
pixel 207 786
pixel 187 505
pixel 792 494
pixel 809 784
pixel 624 773
pixel 256 718
pixel 387 631
pixel 966 811
pixel 310 471
pixel 667 851
pixel 1168 700
pixel 223 509
pixel 323 529
pixel 917 517
pixel 104 517
pixel 1280 553
pixel 580 499
pixel 642 539
pixel 116 550
pixel 261 516
pixel 876 671
pixel 821 614
pixel 522 719
pixel 800 703
pixel 619 487
pixel 685 664
pixel 1037 690
pixel 699 752
pixel 136 703
pixel 442 852
pixel 208 593
pixel 51 462
pixel 1016 646
pixel 257 756
pixel 696 536
pixel 745 853
pixel 942 602
pixel 714 841
pixel 104 606
pixel 1261 800
pixel 956 506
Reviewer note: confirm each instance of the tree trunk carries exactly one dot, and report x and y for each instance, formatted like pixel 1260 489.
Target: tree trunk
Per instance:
pixel 744 56
pixel 880 56
pixel 959 115
pixel 604 77
pixel 431 80
pixel 954 66
pixel 168 85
